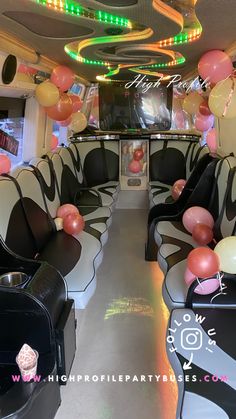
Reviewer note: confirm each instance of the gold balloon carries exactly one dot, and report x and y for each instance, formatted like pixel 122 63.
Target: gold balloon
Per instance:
pixel 192 102
pixel 47 94
pixel 222 100
pixel 79 122
pixel 226 250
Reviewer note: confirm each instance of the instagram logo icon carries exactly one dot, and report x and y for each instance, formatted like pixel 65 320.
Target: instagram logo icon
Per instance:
pixel 191 339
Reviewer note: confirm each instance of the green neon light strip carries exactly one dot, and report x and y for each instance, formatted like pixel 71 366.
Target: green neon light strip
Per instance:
pixel 181 38
pixel 178 61
pixel 75 9
pixel 77 57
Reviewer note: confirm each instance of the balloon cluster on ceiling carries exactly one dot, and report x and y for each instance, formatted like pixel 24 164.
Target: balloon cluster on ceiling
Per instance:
pixel 216 68
pixel 65 108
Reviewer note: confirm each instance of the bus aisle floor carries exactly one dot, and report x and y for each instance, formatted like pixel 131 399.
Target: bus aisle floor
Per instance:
pixel 121 363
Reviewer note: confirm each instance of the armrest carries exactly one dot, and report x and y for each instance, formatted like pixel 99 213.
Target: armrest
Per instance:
pixel 95 192
pixel 190 295
pixel 10 260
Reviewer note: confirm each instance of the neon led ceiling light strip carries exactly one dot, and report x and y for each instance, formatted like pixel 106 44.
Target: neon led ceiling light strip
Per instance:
pixel 191 31
pixel 73 8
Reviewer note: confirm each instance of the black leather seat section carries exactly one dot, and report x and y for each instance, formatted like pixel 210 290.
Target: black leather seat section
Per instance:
pixel 197 191
pixel 101 166
pixel 57 248
pixel 19 237
pixel 14 228
pixel 62 251
pixel 167 165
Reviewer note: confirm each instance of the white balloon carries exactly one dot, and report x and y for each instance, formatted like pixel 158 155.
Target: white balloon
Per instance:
pixel 222 99
pixel 226 250
pixel 59 223
pixel 79 122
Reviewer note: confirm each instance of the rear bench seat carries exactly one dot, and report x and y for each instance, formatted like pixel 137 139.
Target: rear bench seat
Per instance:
pixel 169 161
pixel 175 242
pixel 85 193
pixel 97 166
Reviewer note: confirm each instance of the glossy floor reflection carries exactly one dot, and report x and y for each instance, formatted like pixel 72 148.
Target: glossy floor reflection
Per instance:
pixel 122 332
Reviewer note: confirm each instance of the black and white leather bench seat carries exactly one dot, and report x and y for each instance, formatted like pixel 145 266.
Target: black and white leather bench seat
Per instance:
pixel 32 196
pixel 76 257
pixel 170 161
pixel 85 194
pixel 175 242
pixel 96 165
pixel 198 189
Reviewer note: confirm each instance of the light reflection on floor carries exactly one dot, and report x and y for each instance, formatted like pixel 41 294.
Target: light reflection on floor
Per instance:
pixel 169 390
pixel 139 306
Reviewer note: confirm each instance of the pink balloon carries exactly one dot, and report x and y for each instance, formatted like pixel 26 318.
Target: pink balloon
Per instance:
pixel 204 123
pixel 204 108
pixel 66 209
pixel 26 70
pixel 202 234
pixel 208 287
pixel 197 215
pixel 65 123
pixel 5 164
pixel 76 103
pixel 63 77
pixel 211 140
pixel 216 65
pixel 205 288
pixel 189 277
pixel 203 262
pixel 73 223
pixel 177 188
pixel 135 166
pixel 54 142
pixel 62 110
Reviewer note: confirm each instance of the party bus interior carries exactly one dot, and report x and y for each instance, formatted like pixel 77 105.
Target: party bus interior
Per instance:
pixel 117 209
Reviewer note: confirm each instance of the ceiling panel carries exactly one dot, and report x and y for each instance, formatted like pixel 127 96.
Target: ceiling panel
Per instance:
pixel 118 3
pixel 32 23
pixel 47 26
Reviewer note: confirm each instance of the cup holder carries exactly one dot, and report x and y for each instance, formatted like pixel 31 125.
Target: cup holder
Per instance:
pixel 13 279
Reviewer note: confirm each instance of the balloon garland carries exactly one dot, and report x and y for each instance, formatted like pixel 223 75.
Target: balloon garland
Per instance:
pixel 203 262
pixel 216 68
pixel 60 106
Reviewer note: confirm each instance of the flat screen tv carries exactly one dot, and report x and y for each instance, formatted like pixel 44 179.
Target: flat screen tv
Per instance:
pixel 122 108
